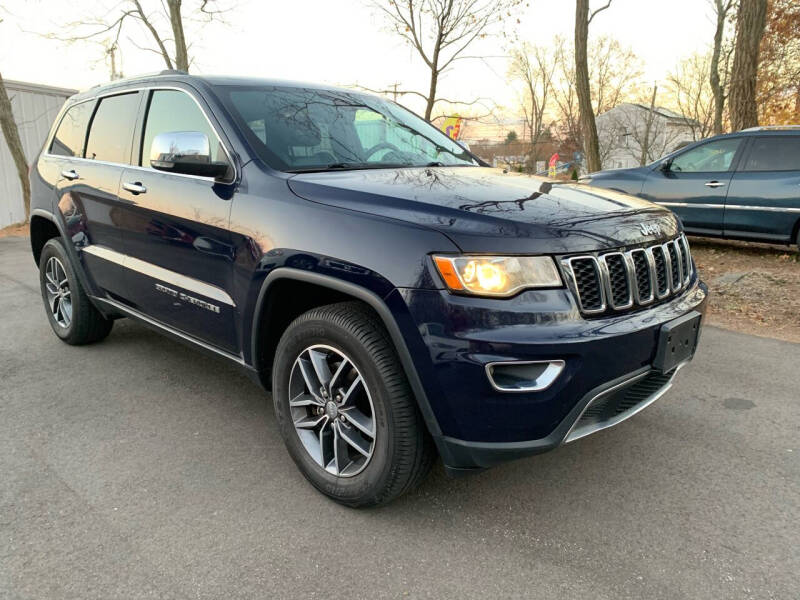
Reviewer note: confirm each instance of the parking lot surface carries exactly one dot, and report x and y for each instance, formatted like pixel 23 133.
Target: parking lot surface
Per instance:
pixel 140 468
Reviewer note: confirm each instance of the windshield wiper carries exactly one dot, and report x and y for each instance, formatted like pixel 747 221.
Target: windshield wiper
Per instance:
pixel 344 166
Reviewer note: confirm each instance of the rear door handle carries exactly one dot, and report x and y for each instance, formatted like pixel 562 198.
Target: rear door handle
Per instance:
pixel 71 174
pixel 134 188
pixel 714 184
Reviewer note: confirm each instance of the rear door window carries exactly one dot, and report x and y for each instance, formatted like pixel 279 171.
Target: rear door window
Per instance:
pixel 112 127
pixel 774 153
pixel 71 133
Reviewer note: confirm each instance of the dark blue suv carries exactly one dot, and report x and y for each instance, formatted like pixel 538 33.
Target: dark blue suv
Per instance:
pixel 743 185
pixel 398 297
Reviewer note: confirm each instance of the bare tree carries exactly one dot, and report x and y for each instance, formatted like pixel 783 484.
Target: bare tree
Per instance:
pixel 722 8
pixel 750 22
pixel 583 19
pixel 534 67
pixel 14 142
pixel 692 96
pixel 170 45
pixel 441 30
pixel 614 74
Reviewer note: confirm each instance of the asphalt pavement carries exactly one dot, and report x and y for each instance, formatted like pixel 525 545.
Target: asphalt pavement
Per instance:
pixel 140 468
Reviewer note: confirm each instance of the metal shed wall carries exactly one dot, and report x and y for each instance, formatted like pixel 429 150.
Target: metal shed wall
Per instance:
pixel 35 107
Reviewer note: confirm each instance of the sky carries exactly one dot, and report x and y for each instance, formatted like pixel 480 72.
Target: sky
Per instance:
pixel 342 42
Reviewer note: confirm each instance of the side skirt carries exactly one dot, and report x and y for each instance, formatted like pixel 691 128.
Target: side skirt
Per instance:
pixel 109 306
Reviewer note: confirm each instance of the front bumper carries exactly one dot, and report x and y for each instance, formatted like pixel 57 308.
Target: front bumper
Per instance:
pixel 604 358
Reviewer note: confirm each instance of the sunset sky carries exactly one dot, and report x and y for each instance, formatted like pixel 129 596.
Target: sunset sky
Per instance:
pixel 334 41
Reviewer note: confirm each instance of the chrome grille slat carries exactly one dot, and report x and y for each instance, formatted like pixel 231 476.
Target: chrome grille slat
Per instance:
pixel 619 280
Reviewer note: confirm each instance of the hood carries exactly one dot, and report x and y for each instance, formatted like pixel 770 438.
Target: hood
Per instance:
pixel 485 210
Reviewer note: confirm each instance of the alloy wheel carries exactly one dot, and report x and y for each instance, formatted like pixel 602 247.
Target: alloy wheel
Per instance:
pixel 59 297
pixel 332 411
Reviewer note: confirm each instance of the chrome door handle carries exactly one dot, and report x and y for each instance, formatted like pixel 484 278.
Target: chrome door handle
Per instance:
pixel 714 184
pixel 134 188
pixel 71 174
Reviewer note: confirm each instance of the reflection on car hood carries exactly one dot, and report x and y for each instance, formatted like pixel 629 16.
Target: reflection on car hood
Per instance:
pixel 488 210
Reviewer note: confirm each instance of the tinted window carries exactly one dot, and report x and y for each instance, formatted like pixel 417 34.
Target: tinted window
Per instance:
pixel 112 128
pixel 171 110
pixel 71 133
pixel 774 154
pixel 296 129
pixel 713 157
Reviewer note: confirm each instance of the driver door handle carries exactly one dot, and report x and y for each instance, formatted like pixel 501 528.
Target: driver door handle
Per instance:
pixel 71 174
pixel 134 188
pixel 714 184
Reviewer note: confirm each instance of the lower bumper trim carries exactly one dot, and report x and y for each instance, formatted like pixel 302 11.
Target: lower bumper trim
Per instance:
pixel 603 407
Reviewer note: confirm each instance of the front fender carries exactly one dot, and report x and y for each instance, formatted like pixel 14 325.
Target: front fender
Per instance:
pixel 388 317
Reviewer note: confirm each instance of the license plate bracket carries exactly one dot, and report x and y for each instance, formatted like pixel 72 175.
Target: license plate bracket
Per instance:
pixel 677 341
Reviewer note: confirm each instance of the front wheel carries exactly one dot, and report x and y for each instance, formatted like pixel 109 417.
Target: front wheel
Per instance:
pixel 345 409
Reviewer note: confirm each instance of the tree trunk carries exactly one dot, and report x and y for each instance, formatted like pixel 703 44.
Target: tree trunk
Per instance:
pixel 716 85
pixel 591 145
pixel 431 94
pixel 11 133
pixel 648 128
pixel 750 22
pixel 181 52
pixel 434 65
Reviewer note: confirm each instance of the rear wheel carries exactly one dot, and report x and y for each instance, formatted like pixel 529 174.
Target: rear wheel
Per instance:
pixel 71 314
pixel 345 409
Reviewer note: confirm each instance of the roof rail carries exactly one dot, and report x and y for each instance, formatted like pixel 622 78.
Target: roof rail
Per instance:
pixel 173 72
pixel 773 128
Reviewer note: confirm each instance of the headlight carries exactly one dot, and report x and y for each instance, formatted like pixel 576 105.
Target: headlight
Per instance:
pixel 497 275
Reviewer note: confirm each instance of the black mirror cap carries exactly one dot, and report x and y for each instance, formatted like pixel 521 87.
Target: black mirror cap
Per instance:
pixel 216 170
pixel 665 166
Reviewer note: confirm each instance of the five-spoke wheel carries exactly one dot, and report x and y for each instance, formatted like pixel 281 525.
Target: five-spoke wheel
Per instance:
pixel 332 410
pixel 59 297
pixel 345 409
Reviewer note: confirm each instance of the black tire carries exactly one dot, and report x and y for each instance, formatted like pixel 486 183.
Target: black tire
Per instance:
pixel 403 451
pixel 86 325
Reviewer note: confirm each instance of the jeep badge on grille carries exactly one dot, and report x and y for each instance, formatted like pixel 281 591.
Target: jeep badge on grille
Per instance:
pixel 650 228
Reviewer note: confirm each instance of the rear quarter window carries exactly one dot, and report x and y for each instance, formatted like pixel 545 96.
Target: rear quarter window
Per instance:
pixel 71 133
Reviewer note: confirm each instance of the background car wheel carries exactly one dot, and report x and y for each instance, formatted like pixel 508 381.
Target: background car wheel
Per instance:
pixel 345 409
pixel 71 314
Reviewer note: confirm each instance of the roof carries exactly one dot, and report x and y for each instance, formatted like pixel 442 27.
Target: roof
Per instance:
pixel 773 128
pixel 38 88
pixel 659 110
pixel 214 80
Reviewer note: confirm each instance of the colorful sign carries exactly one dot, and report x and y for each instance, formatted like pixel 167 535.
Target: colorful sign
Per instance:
pixel 553 164
pixel 452 126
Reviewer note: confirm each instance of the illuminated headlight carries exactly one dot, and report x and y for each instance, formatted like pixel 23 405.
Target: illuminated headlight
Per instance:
pixel 497 275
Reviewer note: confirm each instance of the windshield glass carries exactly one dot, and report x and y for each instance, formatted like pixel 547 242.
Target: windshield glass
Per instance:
pixel 301 129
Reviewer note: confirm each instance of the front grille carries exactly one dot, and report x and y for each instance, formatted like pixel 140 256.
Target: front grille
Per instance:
pixel 619 288
pixel 618 404
pixel 644 282
pixel 621 280
pixel 588 282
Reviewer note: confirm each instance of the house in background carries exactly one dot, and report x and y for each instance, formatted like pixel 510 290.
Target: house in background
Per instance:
pixel 35 107
pixel 632 134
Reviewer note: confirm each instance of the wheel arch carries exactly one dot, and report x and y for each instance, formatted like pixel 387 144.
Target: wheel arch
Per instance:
pixel 333 290
pixel 43 227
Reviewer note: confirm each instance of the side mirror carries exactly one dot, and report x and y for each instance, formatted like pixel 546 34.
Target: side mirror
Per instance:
pixel 186 152
pixel 665 166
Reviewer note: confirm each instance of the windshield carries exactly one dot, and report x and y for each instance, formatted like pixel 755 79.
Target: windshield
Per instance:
pixel 301 129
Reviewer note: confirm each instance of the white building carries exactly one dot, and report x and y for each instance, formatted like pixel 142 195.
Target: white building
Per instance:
pixel 35 107
pixel 622 132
